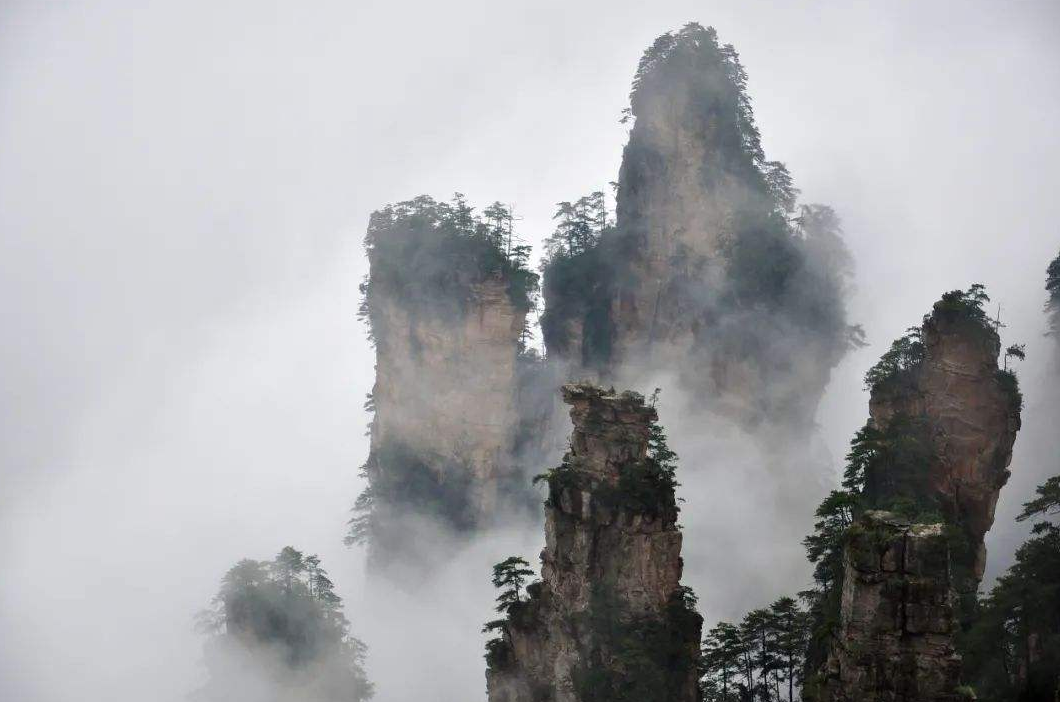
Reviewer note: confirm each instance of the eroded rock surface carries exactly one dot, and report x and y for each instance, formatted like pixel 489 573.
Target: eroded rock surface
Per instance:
pixel 973 414
pixel 895 642
pixel 945 418
pixel 707 275
pixel 609 620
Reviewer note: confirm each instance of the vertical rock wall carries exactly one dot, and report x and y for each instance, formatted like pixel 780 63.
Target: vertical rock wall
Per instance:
pixel 898 617
pixel 951 417
pixel 446 388
pixel 446 308
pixel 610 619
pixel 972 412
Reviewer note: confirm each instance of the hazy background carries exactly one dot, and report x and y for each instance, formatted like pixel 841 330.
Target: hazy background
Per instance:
pixel 183 191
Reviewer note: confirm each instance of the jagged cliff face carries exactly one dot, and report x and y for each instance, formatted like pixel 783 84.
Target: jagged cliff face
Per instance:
pixel 895 642
pixel 972 415
pixel 708 277
pixel 944 418
pixel 609 620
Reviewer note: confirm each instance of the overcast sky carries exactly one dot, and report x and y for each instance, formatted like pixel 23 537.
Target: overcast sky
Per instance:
pixel 183 191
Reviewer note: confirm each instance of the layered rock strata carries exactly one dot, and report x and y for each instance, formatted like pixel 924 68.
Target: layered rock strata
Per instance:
pixel 609 620
pixel 897 616
pixel 972 413
pixel 945 417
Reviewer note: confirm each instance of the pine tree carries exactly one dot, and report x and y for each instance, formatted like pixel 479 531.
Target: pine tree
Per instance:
pixel 509 576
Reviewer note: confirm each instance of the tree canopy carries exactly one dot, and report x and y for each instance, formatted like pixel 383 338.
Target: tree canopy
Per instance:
pixel 1012 651
pixel 284 617
pixel 760 659
pixel 1052 286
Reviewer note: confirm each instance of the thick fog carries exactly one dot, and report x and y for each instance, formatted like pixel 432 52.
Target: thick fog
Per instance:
pixel 183 191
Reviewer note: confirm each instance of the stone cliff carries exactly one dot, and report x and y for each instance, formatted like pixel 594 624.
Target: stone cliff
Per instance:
pixel 706 274
pixel 446 310
pixel 944 418
pixel 970 409
pixel 896 643
pixel 609 620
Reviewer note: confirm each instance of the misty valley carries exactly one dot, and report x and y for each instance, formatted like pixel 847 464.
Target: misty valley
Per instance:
pixel 596 452
pixel 712 292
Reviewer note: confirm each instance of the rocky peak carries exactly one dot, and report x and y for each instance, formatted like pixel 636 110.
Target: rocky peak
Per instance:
pixel 610 430
pixel 609 620
pixel 972 412
pixel 446 308
pixel 707 274
pixel 943 422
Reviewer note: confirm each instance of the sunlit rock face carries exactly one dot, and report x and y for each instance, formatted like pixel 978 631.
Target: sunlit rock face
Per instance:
pixel 897 618
pixel 609 619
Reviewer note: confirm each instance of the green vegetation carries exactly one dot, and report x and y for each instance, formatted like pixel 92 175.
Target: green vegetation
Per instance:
pixel 1012 652
pixel 509 576
pixel 761 659
pixel 1052 286
pixel 427 256
pixel 644 487
pixel 578 272
pixel 401 483
pixel 638 657
pixel 285 613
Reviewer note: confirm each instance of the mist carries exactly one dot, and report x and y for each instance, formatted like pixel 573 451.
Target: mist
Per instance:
pixel 183 192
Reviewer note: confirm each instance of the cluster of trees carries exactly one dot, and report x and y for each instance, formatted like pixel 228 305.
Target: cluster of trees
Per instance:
pixel 1052 286
pixel 431 253
pixel 280 625
pixel 578 270
pixel 1012 651
pixel 580 226
pixel 899 363
pixel 761 659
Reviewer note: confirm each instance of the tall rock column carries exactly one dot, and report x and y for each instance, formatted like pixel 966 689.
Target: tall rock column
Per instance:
pixel 897 617
pixel 970 411
pixel 609 620
pixel 708 274
pixel 446 307
pixel 934 456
